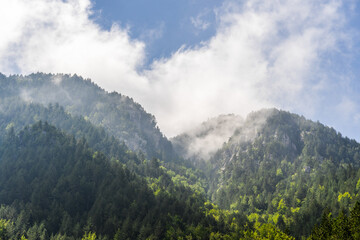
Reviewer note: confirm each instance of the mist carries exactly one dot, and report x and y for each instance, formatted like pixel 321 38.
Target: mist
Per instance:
pixel 273 54
pixel 201 142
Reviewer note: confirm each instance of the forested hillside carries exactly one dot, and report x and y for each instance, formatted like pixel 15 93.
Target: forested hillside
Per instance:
pixel 283 169
pixel 119 115
pixel 77 162
pixel 16 114
pixel 55 187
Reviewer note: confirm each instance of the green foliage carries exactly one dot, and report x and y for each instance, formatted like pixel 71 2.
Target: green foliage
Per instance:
pixel 266 231
pixel 287 169
pixel 340 227
pixel 119 115
pixel 89 236
pixel 3 229
pixel 16 115
pixel 74 164
pixel 55 186
pixel 61 183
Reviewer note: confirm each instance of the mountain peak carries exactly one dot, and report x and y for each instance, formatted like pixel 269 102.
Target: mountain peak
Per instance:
pixel 119 115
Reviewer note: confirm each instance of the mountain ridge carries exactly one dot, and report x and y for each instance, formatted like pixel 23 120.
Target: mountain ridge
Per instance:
pixel 118 114
pixel 273 173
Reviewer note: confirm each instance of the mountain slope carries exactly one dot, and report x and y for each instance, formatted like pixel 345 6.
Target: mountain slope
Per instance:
pixel 276 167
pixel 58 186
pixel 120 116
pixel 59 181
pixel 281 168
pixel 16 114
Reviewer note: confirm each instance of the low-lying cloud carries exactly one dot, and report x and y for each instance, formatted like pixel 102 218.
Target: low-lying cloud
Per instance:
pixel 202 141
pixel 264 54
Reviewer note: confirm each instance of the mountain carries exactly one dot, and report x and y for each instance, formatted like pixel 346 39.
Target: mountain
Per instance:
pixel 48 177
pixel 64 175
pixel 17 114
pixel 55 187
pixel 281 168
pixel 119 115
pixel 77 162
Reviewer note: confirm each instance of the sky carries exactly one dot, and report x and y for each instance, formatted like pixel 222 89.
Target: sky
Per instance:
pixel 188 61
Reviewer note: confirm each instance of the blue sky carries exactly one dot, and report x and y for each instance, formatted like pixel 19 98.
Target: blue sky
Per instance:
pixel 190 60
pixel 165 25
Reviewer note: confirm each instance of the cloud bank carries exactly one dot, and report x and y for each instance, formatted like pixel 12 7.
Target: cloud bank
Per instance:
pixel 59 36
pixel 268 54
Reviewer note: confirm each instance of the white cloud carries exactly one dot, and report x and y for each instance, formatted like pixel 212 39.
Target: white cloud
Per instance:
pixel 58 36
pixel 263 54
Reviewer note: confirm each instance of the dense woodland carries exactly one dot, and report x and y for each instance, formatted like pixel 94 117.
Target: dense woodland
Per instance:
pixel 77 162
pixel 288 174
pixel 116 113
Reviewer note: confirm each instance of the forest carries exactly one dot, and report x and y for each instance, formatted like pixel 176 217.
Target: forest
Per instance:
pixel 77 162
